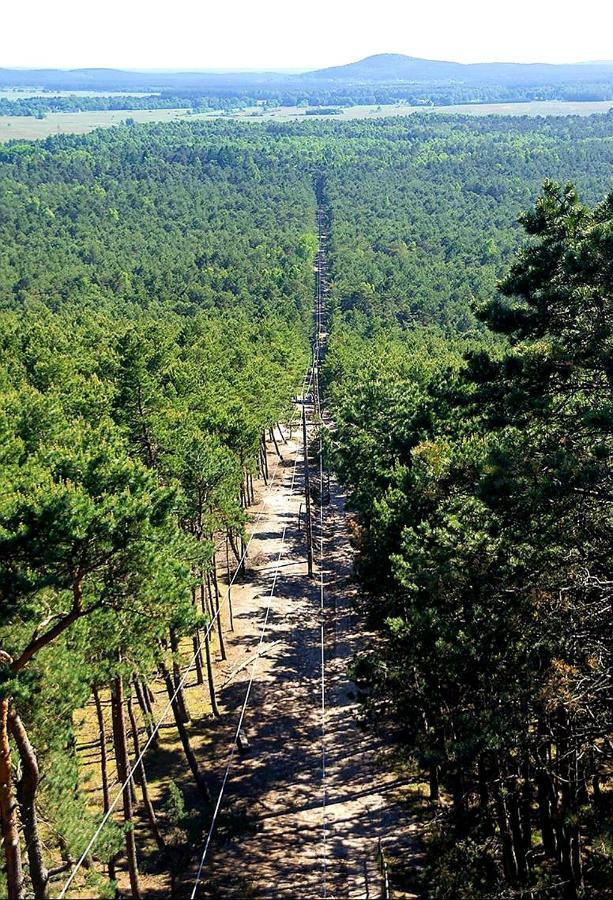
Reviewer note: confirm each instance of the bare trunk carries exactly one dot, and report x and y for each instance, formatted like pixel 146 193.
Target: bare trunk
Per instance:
pixel 274 440
pixel 121 756
pixel 196 645
pixel 434 784
pixel 209 673
pixel 265 455
pixel 222 646
pixel 140 776
pixel 8 810
pixel 103 768
pixel 146 710
pixel 26 795
pixel 229 579
pixel 176 674
pixel 183 735
pixel 509 859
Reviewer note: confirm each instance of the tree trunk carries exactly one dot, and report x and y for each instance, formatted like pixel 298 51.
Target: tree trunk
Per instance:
pixel 140 776
pixel 274 440
pixel 26 795
pixel 229 579
pixel 106 801
pixel 509 860
pixel 176 674
pixel 222 646
pixel 189 753
pixel 233 546
pixel 545 807
pixel 209 673
pixel 196 645
pixel 8 809
pixel 513 807
pixel 434 784
pixel 121 756
pixel 146 710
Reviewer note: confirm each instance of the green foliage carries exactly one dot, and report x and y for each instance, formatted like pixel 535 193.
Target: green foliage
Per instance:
pixel 481 472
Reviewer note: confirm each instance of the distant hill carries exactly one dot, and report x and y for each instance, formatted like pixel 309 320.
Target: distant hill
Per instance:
pixel 388 68
pixel 383 78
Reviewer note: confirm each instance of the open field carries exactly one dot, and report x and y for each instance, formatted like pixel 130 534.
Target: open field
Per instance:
pixel 24 93
pixel 534 108
pixel 29 128
pixel 26 127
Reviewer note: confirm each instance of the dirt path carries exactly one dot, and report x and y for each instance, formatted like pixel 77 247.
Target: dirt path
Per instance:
pixel 273 837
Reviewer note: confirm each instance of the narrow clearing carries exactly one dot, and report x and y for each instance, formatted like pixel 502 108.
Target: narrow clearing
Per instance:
pixel 274 836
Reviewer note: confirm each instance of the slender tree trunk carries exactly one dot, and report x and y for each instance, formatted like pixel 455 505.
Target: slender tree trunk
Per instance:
pixel 176 673
pixel 196 645
pixel 104 771
pixel 183 735
pixel 222 646
pixel 281 434
pixel 509 859
pixel 8 808
pixel 229 579
pixel 209 673
pixel 274 440
pixel 140 776
pixel 527 798
pixel 233 546
pixel 265 454
pixel 146 711
pixel 434 784
pixel 513 807
pixel 121 756
pixel 263 464
pixel 149 695
pixel 26 795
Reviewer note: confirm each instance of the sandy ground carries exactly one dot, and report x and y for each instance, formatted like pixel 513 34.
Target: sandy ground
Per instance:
pixel 285 830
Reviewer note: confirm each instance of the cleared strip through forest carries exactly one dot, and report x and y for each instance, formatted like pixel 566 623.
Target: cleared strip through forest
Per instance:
pixel 306 805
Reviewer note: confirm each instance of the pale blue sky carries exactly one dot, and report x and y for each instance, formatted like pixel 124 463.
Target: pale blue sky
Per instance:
pixel 291 34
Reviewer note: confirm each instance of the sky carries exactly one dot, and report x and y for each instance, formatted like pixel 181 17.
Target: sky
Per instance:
pixel 287 34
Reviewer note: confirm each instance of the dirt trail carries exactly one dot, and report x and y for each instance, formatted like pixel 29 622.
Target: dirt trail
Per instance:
pixel 273 837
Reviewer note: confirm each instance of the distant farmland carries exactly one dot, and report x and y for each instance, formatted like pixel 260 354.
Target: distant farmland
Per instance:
pixel 25 127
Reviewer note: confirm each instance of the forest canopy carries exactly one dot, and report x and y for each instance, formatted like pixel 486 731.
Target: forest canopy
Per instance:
pixel 156 287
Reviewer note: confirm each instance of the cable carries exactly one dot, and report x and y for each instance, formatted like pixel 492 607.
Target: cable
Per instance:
pixel 168 706
pixel 322 599
pixel 245 702
pixel 313 377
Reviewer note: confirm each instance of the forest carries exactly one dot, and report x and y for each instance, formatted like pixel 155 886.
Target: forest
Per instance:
pixel 156 290
pixel 383 78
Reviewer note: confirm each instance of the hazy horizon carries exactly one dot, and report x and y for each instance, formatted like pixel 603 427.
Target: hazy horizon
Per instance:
pixel 294 70
pixel 274 36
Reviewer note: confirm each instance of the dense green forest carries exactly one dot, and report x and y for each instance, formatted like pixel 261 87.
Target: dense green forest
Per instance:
pixel 479 464
pixel 316 96
pixel 156 287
